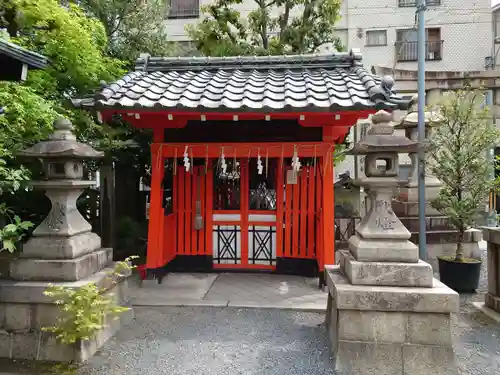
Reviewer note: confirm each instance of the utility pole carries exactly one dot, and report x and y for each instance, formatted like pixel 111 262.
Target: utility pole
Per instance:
pixel 491 220
pixel 422 238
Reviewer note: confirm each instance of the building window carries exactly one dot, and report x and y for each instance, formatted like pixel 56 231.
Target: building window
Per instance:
pixel 407 46
pixel 376 38
pixel 414 3
pixel 184 9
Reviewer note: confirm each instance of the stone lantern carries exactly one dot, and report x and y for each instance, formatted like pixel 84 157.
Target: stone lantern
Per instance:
pixel 386 313
pixel 409 192
pixel 63 251
pixel 62 159
pixel 381 149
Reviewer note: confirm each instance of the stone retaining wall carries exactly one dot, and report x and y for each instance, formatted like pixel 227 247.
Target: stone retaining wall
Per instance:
pixel 492 298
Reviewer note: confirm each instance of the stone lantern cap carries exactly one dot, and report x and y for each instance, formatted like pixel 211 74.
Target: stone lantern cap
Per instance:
pixel 62 144
pixel 380 138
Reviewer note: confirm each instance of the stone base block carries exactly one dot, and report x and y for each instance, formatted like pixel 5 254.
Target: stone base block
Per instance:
pixel 432 223
pixel 493 302
pixel 390 330
pixel 438 299
pixel 394 359
pixel 410 208
pixel 34 316
pixel 43 346
pixel 61 269
pixel 31 292
pixel 383 250
pixel 61 247
pixel 386 273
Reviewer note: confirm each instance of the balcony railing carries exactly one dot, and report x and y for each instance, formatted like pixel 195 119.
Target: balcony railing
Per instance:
pixel 183 11
pixel 408 51
pixel 413 3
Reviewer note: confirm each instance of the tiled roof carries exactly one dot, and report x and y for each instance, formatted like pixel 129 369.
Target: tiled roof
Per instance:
pixel 33 59
pixel 267 83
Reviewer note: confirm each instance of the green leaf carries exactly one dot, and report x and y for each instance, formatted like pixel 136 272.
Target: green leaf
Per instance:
pixel 9 246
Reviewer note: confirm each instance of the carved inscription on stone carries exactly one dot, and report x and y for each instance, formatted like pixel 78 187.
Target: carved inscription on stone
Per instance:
pixel 56 216
pixel 384 219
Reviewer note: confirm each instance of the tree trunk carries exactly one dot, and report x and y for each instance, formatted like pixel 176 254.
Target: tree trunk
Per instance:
pixel 107 205
pixel 459 256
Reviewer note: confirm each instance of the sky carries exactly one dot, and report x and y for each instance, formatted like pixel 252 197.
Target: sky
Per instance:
pixel 495 2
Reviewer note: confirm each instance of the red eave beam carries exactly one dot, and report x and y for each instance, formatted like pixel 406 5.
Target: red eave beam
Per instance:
pixel 178 119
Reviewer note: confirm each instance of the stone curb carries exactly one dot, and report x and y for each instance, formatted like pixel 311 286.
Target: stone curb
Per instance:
pixel 201 303
pixel 487 311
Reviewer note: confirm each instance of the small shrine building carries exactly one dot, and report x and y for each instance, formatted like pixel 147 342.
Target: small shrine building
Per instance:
pixel 242 155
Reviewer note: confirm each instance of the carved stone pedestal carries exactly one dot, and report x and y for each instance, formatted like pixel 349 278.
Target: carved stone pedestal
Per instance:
pixel 386 313
pixel 390 330
pixel 491 305
pixel 62 252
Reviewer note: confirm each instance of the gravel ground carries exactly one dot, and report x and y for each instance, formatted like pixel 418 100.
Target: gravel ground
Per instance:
pixel 179 341
pixel 206 341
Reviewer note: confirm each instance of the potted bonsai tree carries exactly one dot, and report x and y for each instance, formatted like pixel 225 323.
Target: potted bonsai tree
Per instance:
pixel 457 156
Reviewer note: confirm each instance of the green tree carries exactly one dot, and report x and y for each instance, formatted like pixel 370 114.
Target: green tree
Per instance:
pixel 275 27
pixel 457 157
pixel 76 45
pixel 132 26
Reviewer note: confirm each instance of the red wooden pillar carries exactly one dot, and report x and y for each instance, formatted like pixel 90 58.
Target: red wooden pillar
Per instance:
pixel 155 229
pixel 328 200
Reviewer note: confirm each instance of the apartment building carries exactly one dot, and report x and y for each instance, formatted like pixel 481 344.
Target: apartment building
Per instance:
pixel 459 33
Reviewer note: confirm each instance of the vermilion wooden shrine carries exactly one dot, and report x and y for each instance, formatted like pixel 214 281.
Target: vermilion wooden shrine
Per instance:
pixel 227 190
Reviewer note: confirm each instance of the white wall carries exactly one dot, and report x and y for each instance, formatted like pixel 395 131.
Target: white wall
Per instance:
pixel 466 30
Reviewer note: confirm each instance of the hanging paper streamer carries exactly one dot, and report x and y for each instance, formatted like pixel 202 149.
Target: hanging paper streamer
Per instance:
pixel 223 164
pixel 295 160
pixel 260 168
pixel 235 164
pixel 267 161
pixel 192 159
pixel 187 163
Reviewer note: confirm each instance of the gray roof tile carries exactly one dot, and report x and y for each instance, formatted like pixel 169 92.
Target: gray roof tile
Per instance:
pixel 32 59
pixel 277 83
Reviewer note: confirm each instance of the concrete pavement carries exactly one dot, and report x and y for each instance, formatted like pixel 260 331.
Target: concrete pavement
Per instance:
pixel 231 290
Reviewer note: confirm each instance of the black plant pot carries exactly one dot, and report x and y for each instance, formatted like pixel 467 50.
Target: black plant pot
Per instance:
pixel 462 277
